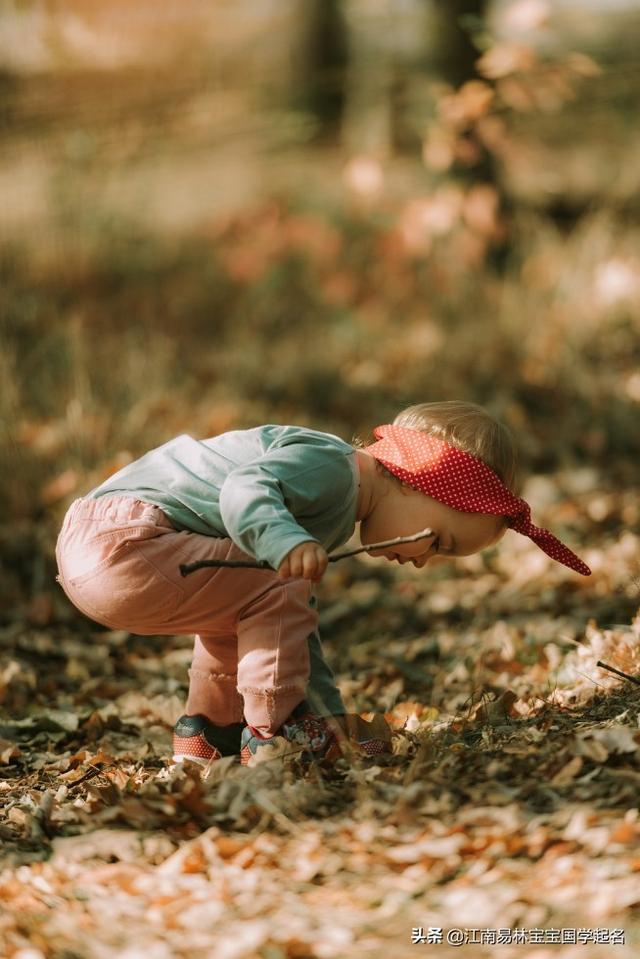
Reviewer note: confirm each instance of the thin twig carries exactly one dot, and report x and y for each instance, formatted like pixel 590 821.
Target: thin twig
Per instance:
pixel 186 568
pixel 93 772
pixel 590 678
pixel 618 672
pixel 387 542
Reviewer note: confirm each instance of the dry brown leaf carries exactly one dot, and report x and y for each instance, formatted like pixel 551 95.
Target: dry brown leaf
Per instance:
pixel 495 711
pixel 8 751
pixel 599 743
pixel 410 715
pixel 568 772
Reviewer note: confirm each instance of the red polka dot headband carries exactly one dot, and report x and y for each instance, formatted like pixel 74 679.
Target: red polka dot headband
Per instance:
pixel 462 481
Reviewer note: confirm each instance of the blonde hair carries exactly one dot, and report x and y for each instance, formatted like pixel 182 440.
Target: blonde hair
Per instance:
pixel 470 428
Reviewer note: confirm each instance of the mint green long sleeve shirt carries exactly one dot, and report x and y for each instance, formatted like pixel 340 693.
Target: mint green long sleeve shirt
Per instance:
pixel 268 488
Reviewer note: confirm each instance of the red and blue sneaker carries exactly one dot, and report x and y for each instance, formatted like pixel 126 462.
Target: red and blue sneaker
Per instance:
pixel 198 739
pixel 310 736
pixel 321 737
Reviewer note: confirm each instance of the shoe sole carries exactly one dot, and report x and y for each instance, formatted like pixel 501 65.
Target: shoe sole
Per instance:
pixel 180 758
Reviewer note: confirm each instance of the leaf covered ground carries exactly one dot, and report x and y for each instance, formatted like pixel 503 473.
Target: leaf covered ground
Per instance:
pixel 510 800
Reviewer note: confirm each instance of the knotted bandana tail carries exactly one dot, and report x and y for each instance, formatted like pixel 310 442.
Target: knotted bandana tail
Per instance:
pixel 463 482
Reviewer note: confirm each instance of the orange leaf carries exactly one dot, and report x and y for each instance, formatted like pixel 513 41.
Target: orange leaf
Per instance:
pixel 506 58
pixel 624 832
pixel 227 846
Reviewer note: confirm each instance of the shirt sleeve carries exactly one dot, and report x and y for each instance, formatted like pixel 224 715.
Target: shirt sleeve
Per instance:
pixel 256 500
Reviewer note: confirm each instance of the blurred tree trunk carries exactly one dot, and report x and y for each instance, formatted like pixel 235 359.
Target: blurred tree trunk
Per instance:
pixel 388 41
pixel 453 57
pixel 362 58
pixel 452 53
pixel 323 64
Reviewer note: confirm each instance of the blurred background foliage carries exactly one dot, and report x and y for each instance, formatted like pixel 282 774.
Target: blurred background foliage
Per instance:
pixel 218 214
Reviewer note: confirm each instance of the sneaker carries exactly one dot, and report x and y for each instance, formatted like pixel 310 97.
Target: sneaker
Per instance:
pixel 311 737
pixel 198 739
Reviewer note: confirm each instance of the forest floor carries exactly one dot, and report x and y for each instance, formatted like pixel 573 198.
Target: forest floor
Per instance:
pixel 506 816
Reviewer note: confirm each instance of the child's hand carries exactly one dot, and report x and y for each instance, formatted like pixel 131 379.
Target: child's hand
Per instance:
pixel 308 560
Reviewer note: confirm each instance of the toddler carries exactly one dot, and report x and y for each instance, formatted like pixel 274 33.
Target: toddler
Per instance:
pixel 284 495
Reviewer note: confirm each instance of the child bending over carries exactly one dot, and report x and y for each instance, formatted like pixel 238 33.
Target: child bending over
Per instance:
pixel 284 495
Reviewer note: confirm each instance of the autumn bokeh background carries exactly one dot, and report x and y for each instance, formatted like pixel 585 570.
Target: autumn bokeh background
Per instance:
pixel 314 212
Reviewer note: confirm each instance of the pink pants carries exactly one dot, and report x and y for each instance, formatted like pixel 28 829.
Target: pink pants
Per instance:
pixel 118 561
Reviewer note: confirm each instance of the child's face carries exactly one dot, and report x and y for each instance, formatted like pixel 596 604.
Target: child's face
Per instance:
pixel 403 512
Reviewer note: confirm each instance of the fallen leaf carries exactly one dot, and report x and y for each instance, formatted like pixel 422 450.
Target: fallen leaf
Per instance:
pixel 568 772
pixel 599 743
pixel 8 751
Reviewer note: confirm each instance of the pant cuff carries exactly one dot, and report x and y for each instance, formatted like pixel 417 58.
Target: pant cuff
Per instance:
pixel 267 708
pixel 214 695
